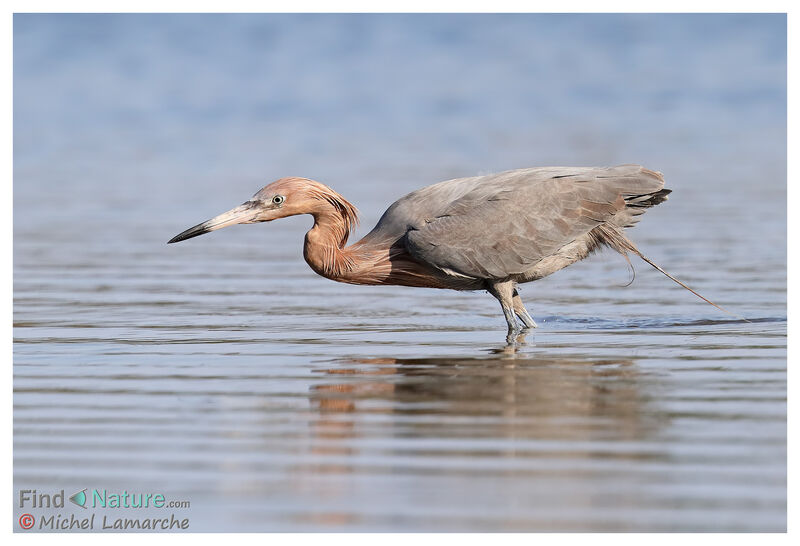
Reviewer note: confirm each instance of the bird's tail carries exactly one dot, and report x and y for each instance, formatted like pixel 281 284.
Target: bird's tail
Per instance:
pixel 619 242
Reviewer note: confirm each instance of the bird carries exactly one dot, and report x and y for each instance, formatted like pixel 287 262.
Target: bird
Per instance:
pixel 491 232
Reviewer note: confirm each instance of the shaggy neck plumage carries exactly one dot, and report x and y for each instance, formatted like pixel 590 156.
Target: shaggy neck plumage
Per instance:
pixel 324 251
pixel 373 262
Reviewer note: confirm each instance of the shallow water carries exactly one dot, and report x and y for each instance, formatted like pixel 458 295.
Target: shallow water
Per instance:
pixel 224 372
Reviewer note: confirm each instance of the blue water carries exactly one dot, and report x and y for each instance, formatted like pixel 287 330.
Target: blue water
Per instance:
pixel 223 371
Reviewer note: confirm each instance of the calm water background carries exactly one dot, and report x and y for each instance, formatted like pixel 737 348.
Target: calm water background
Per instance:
pixel 223 371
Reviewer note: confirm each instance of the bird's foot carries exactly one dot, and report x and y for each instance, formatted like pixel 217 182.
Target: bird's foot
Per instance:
pixel 514 332
pixel 516 337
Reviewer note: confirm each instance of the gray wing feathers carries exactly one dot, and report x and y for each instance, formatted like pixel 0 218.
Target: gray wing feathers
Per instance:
pixel 504 224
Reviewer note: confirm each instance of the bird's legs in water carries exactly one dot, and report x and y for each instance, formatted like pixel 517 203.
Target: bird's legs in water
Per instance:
pixel 509 299
pixel 521 312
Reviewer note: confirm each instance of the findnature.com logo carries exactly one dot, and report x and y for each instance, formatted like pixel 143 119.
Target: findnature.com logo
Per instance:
pixel 31 499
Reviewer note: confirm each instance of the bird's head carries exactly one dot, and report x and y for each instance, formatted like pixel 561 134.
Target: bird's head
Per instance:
pixel 282 198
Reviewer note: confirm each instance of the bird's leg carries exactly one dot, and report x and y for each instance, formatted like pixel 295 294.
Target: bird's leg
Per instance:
pixel 521 312
pixel 504 292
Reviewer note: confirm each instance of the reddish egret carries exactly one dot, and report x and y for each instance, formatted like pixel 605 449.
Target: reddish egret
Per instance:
pixel 481 233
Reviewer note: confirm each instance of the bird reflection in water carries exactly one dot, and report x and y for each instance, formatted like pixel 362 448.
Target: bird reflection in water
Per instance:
pixel 597 397
pixel 527 416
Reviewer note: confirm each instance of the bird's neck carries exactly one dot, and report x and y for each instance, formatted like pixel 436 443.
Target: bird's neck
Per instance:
pixel 374 262
pixel 325 249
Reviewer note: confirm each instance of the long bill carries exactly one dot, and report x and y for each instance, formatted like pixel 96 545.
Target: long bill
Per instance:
pixel 243 214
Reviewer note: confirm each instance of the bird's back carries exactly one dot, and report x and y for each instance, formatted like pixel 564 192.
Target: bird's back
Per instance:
pixel 522 224
pixel 438 199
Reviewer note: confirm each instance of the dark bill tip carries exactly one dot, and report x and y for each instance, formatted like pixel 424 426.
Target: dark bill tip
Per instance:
pixel 199 229
pixel 243 214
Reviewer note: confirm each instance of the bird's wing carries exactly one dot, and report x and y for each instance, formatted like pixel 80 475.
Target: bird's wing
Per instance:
pixel 510 222
pixel 434 200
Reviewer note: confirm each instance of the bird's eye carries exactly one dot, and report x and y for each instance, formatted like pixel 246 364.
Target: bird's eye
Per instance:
pixel 278 199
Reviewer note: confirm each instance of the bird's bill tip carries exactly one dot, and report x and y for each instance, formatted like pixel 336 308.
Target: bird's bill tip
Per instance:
pixel 242 214
pixel 199 229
